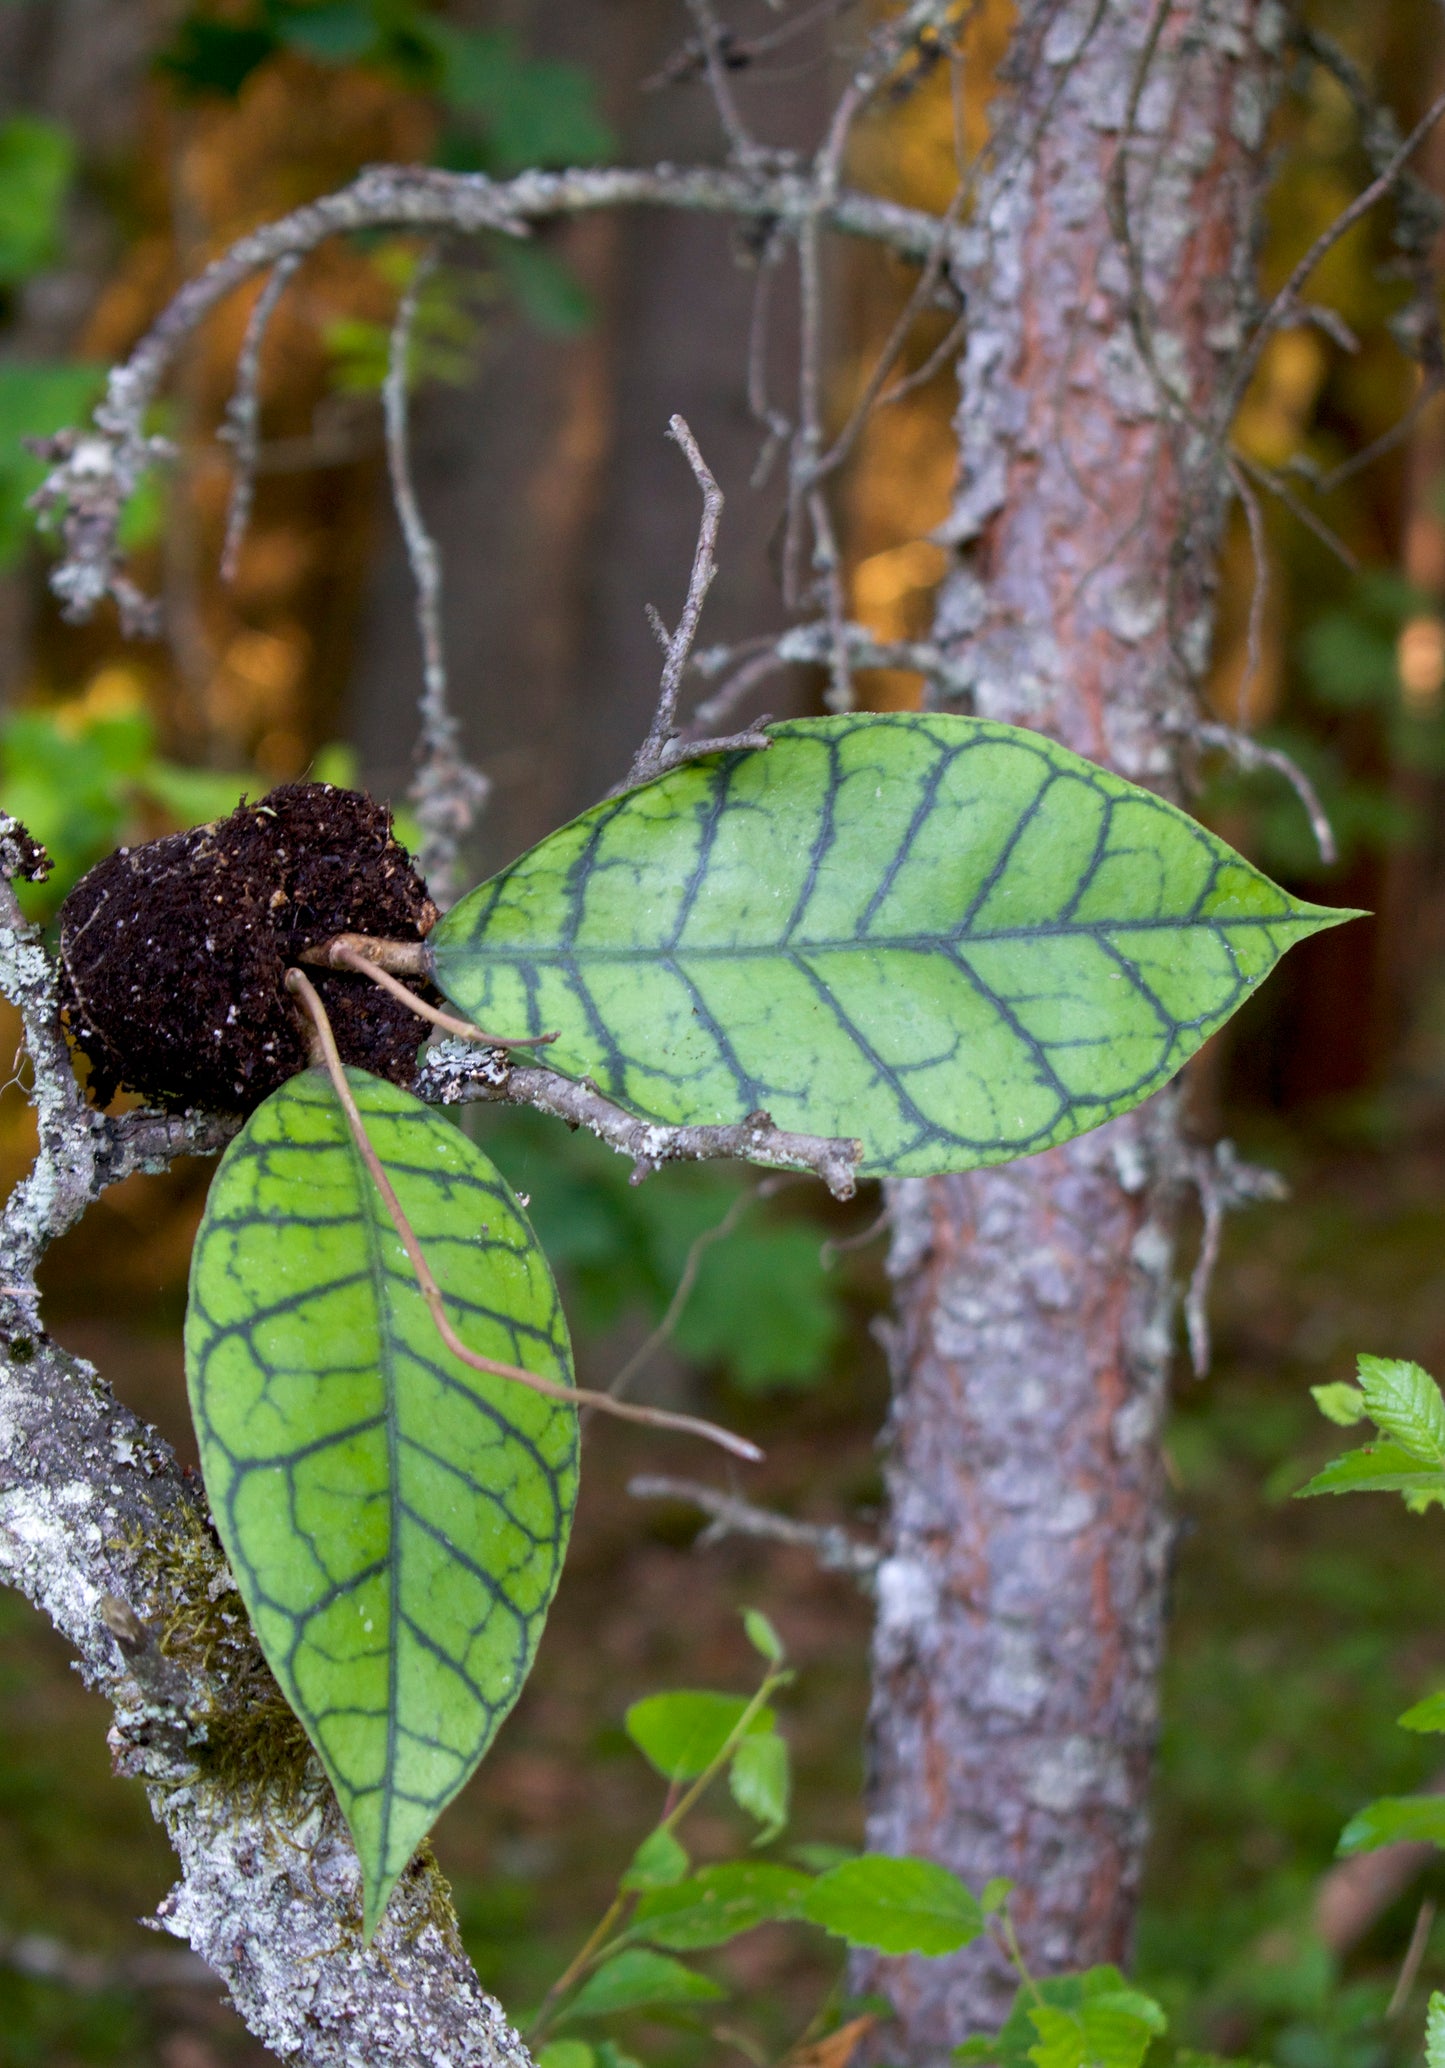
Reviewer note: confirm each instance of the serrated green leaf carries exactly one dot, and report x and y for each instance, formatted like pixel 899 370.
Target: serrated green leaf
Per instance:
pixel 1378 1468
pixel 636 1979
pixel 1111 2028
pixel 951 939
pixel 720 1903
pixel 395 1521
pixel 1417 1817
pixel 760 1782
pixel 895 1905
pixel 660 1861
pixel 1435 2031
pixel 1428 1715
pixel 762 1636
pixel 683 1732
pixel 1340 1403
pixel 1404 1401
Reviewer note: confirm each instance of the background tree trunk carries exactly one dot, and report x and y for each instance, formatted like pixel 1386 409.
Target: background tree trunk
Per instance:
pixel 1020 1606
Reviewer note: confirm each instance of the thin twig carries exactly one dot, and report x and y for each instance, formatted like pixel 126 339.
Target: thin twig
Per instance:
pixel 1414 1955
pixel 652 756
pixel 301 987
pixel 1253 754
pixel 835 1549
pixel 447 791
pixel 1224 1183
pixel 243 414
pixel 339 954
pixel 743 147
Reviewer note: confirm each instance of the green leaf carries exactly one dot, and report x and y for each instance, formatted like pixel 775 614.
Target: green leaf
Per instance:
pixel 759 1781
pixel 1405 1402
pixel 721 1903
pixel 535 111
pixel 762 1636
pixel 1435 2031
pixel 1428 1715
pixel 1379 1468
pixel 636 1979
pixel 335 32
pixel 1416 1817
pixel 659 1862
pixel 37 165
pixel 395 1521
pixel 549 292
pixel 1342 1404
pixel 684 1732
pixel 895 1905
pixel 213 57
pixel 566 2053
pixel 995 1894
pixel 1111 2027
pixel 763 1305
pixel 949 938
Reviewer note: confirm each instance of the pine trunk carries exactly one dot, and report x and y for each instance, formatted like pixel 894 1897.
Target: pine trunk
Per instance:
pixel 1020 1608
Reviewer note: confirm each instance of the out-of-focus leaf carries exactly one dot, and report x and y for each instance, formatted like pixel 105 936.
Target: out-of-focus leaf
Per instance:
pixel 1340 1403
pixel 1392 1818
pixel 336 32
pixel 37 165
pixel 1428 1715
pixel 637 1979
pixel 1435 2031
pixel 760 1782
pixel 762 1636
pixel 720 1903
pixel 566 2053
pixel 546 289
pixel 683 1732
pixel 206 56
pixel 774 1279
pixel 534 111
pixel 659 1862
pixel 895 1905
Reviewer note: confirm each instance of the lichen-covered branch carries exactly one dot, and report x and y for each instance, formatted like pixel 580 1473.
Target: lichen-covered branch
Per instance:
pixel 453 1073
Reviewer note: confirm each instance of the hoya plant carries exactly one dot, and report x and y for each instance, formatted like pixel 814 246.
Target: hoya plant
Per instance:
pixel 866 946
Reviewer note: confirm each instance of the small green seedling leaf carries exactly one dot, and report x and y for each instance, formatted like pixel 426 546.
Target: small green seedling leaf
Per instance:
pixel 659 1862
pixel 760 1782
pixel 995 1895
pixel 1340 1403
pixel 1435 2031
pixel 396 1521
pixel 762 1636
pixel 1393 1817
pixel 720 1903
pixel 1428 1715
pixel 1378 1468
pixel 638 1979
pixel 1111 2027
pixel 1405 1402
pixel 684 1732
pixel 895 1905
pixel 952 940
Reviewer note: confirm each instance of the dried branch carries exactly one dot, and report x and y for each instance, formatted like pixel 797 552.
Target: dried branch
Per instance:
pixel 835 1549
pixel 94 472
pixel 242 428
pixel 447 791
pixel 811 645
pixel 1224 1184
pixel 452 1074
pixel 1253 754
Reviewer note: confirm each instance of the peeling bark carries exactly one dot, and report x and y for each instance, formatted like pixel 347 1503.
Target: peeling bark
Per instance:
pixel 1021 1598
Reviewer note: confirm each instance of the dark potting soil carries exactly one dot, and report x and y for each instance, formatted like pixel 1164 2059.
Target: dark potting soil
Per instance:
pixel 174 954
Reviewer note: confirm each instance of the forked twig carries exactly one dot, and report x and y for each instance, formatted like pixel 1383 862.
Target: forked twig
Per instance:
pixel 654 755
pixel 339 954
pixel 301 988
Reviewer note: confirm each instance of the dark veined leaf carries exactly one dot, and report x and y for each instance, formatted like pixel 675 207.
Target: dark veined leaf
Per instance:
pixel 1394 1817
pixel 949 938
pixel 636 1979
pixel 683 1732
pixel 894 1905
pixel 720 1903
pixel 1405 1402
pixel 1377 1468
pixel 395 1521
pixel 1428 1715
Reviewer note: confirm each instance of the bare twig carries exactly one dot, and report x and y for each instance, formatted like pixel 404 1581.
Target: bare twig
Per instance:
pixel 1253 754
pixel 451 1075
pixel 1223 1183
pixel 447 791
pixel 835 1549
pixel 242 428
pixel 301 987
pixel 655 754
pixel 811 645
pixel 712 41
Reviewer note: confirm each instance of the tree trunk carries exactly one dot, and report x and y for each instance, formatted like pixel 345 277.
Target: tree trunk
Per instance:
pixel 1020 1606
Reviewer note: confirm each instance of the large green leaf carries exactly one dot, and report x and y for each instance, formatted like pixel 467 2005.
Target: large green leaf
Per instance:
pixel 395 1520
pixel 949 938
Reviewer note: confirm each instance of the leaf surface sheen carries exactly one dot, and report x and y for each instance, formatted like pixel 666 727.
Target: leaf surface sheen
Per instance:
pixel 950 938
pixel 395 1521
